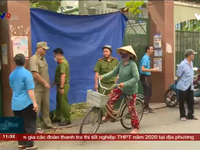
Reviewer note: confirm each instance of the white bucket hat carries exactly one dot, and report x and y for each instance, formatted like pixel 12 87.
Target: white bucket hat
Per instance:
pixel 128 49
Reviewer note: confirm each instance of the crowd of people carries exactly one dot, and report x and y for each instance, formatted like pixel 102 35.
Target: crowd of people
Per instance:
pixel 30 99
pixel 107 68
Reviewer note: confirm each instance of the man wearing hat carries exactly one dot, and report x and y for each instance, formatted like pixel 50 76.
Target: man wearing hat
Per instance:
pixel 185 74
pixel 103 66
pixel 39 68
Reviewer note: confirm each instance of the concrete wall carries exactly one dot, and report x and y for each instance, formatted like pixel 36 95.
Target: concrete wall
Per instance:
pixel 103 6
pixel 185 11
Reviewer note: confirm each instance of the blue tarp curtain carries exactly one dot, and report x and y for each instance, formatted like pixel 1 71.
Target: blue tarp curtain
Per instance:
pixel 82 39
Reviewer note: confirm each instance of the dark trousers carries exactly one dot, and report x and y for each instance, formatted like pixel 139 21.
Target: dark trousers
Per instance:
pixel 147 89
pixel 187 96
pixel 29 119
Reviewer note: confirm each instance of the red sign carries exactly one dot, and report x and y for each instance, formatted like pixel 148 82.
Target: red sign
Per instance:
pixel 100 137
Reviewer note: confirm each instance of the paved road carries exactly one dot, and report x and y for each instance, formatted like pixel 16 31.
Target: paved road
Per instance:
pixel 163 121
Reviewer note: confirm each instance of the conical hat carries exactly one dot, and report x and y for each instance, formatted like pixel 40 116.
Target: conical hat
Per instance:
pixel 128 49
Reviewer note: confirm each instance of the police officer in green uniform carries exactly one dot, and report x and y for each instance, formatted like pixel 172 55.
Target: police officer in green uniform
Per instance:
pixel 62 82
pixel 103 66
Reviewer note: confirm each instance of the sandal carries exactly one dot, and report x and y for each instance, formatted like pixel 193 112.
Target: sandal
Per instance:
pixel 22 146
pixel 134 131
pixel 32 148
pixel 104 119
pixel 183 119
pixel 39 131
pixel 192 118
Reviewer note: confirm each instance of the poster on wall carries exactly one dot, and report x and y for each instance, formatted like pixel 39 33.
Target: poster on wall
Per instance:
pixel 168 48
pixel 158 63
pixel 157 40
pixel 4 54
pixel 20 45
pixel 158 53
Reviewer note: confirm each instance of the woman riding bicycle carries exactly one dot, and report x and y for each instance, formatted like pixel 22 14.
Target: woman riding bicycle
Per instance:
pixel 128 81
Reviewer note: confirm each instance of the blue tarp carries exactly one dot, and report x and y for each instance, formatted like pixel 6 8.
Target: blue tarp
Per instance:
pixel 81 38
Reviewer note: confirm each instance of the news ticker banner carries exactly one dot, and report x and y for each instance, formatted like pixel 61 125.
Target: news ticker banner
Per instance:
pixel 100 137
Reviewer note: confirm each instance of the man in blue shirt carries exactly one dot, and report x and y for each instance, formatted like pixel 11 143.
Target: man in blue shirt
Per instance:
pixel 145 77
pixel 185 87
pixel 23 99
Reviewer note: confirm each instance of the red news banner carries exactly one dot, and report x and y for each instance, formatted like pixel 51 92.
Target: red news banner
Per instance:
pixel 100 137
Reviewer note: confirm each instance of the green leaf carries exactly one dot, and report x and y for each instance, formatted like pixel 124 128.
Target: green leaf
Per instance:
pixel 52 5
pixel 134 6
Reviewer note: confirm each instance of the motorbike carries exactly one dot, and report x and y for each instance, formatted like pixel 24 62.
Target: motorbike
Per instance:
pixel 171 96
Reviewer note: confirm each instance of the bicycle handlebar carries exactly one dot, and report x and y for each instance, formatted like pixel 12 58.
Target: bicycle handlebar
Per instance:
pixel 110 88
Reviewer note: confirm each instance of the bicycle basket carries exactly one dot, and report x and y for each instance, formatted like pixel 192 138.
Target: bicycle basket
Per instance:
pixel 96 99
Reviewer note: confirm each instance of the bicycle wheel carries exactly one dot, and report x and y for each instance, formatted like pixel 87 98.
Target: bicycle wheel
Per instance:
pixel 126 118
pixel 93 117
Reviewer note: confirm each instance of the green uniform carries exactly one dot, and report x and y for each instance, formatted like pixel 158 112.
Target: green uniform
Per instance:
pixel 104 66
pixel 62 108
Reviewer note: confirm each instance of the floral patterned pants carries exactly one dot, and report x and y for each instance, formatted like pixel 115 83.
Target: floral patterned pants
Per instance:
pixel 130 100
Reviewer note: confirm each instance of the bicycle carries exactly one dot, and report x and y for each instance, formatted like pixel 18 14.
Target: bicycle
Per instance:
pixel 98 102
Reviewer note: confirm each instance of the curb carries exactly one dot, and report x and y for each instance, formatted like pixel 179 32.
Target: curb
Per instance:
pixel 159 107
pixel 72 125
pixel 78 121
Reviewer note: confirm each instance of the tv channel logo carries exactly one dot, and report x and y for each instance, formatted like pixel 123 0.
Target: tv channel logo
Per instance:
pixel 8 16
pixel 197 16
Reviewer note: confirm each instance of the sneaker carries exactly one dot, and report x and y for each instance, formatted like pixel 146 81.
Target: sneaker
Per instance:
pixel 183 119
pixel 146 111
pixel 150 110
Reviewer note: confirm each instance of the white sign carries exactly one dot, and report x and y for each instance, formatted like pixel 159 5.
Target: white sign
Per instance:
pixel 197 16
pixel 20 45
pixel 168 48
pixel 157 41
pixel 158 53
pixel 158 63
